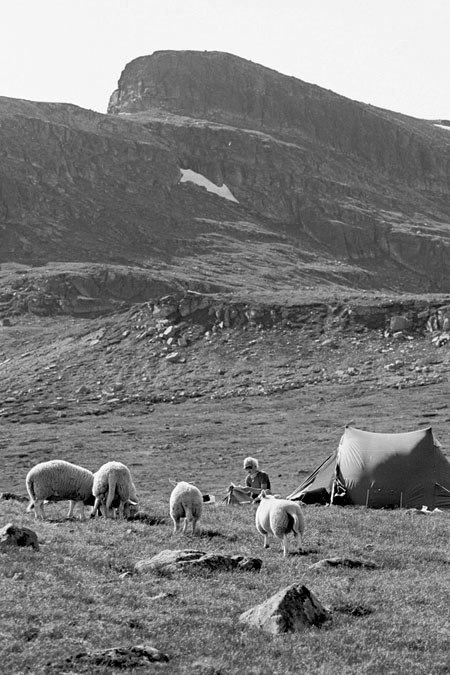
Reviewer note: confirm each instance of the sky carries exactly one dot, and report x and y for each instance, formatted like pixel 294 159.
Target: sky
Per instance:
pixel 393 54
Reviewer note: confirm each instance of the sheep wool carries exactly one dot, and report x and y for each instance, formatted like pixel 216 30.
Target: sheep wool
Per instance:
pixel 186 501
pixel 58 480
pixel 113 488
pixel 279 517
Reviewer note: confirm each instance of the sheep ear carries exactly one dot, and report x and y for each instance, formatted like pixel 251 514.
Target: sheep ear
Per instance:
pixel 262 494
pixel 130 502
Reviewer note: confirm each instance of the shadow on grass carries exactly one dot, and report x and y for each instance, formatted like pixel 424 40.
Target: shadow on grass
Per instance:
pixel 148 518
pixel 211 534
pixel 303 552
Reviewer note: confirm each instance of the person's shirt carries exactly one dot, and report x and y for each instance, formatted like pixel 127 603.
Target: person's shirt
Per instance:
pixel 259 480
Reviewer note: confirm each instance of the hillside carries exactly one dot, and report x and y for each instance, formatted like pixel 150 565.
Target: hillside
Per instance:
pixel 305 190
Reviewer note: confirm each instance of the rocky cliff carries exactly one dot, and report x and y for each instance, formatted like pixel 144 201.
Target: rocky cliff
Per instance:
pixel 212 173
pixel 366 185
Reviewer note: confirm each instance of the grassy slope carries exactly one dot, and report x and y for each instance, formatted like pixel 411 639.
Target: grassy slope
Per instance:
pixel 69 597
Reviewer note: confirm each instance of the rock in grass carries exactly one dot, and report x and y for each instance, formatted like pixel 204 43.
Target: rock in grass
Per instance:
pixel 13 535
pixel 183 560
pixel 115 657
pixel 291 610
pixel 345 562
pixel 12 495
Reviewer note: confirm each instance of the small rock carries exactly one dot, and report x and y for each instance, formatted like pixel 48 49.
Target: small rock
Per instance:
pixel 174 357
pixel 12 495
pixel 12 535
pixel 117 657
pixel 344 562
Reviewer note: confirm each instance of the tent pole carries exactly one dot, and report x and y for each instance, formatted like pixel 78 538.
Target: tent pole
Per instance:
pixel 401 499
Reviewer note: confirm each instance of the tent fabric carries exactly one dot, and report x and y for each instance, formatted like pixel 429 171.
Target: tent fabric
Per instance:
pixel 316 488
pixel 382 470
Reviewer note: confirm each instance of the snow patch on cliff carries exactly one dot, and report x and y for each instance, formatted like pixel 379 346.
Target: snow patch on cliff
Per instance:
pixel 189 176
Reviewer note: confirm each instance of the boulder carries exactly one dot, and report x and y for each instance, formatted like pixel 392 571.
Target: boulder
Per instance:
pixel 400 323
pixel 13 535
pixel 291 610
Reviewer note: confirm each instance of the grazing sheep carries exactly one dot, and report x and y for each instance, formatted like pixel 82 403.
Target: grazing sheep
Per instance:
pixel 113 488
pixel 57 480
pixel 186 501
pixel 278 517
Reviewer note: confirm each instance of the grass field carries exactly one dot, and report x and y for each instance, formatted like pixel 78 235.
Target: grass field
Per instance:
pixel 72 595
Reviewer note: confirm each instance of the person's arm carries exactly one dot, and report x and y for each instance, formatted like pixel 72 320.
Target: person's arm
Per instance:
pixel 265 482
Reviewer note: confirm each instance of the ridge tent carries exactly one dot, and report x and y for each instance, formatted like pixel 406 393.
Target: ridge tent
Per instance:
pixel 381 470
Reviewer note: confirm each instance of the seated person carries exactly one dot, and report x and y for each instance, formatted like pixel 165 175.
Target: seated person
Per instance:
pixel 256 480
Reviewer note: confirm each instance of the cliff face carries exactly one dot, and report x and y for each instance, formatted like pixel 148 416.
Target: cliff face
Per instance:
pixel 366 185
pixel 225 89
pixel 213 173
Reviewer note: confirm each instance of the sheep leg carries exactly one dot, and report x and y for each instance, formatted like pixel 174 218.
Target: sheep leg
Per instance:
pixel 72 505
pixel 194 525
pixel 285 546
pixel 81 510
pixel 97 507
pixel 39 509
pixel 297 534
pixel 266 541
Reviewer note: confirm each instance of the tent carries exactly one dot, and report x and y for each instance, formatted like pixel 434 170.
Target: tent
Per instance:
pixel 381 470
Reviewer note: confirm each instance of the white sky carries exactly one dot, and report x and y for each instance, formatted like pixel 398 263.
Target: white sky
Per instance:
pixel 391 53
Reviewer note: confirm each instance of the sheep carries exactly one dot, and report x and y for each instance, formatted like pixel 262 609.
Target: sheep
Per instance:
pixel 186 501
pixel 113 488
pixel 278 517
pixel 58 480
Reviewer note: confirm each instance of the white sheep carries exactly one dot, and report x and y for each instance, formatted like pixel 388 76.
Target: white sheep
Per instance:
pixel 186 501
pixel 112 488
pixel 278 517
pixel 57 480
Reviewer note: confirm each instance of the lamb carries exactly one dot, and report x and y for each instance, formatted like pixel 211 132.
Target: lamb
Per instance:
pixel 278 517
pixel 186 501
pixel 113 486
pixel 58 480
